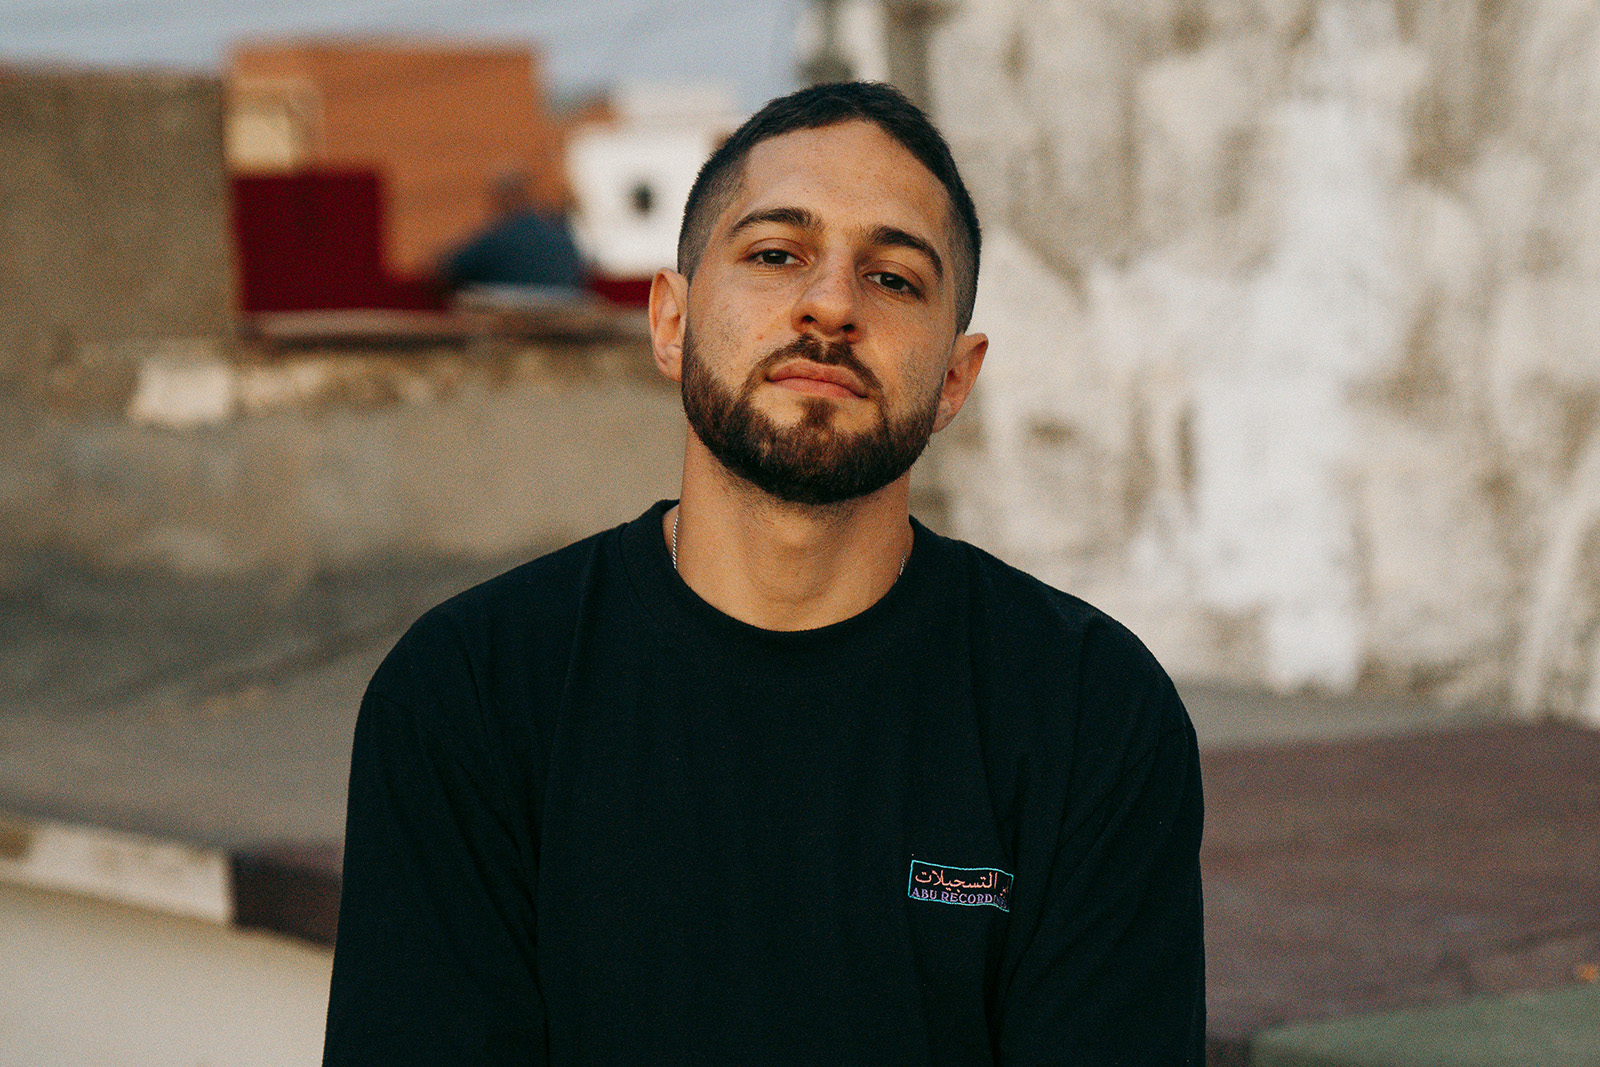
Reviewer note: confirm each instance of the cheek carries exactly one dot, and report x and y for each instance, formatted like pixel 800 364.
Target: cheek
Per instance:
pixel 709 332
pixel 730 337
pixel 926 377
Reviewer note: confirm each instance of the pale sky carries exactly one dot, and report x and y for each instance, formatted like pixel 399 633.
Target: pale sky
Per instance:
pixel 587 44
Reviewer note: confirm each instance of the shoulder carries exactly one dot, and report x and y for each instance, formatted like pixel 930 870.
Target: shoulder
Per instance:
pixel 1023 617
pixel 525 614
pixel 1076 675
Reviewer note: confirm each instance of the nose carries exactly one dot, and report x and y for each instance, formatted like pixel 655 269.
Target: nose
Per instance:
pixel 827 305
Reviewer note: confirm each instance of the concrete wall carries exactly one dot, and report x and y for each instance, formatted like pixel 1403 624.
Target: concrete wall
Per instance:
pixel 1294 307
pixel 328 460
pixel 113 222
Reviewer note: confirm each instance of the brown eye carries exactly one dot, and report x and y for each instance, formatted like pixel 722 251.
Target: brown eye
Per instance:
pixel 893 282
pixel 774 257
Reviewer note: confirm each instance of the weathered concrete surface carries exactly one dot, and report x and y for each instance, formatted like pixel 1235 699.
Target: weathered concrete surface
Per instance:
pixel 1345 878
pixel 1227 716
pixel 216 710
pixel 1557 1028
pixel 336 458
pixel 1293 307
pixel 86 982
pixel 114 216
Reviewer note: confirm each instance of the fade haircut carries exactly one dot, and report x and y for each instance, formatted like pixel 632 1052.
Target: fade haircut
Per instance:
pixel 825 105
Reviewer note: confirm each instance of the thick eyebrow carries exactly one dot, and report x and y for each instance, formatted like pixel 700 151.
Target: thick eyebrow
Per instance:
pixel 798 217
pixel 897 238
pixel 801 219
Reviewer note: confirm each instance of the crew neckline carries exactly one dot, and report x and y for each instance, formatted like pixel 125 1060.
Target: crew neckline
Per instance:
pixel 668 599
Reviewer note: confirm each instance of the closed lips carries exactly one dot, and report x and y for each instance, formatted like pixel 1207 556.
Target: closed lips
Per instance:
pixel 816 372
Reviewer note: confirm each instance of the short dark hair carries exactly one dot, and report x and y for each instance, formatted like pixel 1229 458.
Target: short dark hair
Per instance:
pixel 824 105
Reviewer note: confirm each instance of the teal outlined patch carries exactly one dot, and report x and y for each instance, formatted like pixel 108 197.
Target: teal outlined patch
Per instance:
pixel 972 887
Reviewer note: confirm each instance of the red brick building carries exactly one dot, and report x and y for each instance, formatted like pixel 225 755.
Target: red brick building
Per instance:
pixel 438 122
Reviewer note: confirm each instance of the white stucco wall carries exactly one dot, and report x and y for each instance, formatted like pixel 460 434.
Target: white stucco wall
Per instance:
pixel 609 168
pixel 1294 307
pixel 660 137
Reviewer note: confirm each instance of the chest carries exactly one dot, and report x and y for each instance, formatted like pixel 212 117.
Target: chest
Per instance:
pixel 793 761
pixel 751 825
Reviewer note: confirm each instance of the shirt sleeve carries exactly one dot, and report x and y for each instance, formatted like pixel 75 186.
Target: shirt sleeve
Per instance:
pixel 433 962
pixel 1113 969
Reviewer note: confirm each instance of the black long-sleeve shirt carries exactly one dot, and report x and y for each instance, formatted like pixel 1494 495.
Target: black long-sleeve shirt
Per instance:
pixel 595 821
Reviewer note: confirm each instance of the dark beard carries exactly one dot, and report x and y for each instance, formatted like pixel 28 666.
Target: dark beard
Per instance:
pixel 811 462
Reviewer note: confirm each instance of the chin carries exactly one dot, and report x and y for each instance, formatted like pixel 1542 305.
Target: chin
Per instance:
pixel 834 412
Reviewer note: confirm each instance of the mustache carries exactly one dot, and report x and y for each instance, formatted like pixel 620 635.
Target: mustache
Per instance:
pixel 827 354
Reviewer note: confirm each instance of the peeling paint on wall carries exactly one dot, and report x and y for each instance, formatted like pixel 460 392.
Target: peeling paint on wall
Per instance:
pixel 1293 307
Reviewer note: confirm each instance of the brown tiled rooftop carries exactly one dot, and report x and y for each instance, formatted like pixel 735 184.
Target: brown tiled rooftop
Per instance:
pixel 1368 875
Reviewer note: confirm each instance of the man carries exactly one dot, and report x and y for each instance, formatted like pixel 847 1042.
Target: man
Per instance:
pixel 774 774
pixel 521 247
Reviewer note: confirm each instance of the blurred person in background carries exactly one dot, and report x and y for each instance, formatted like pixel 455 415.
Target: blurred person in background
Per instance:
pixel 522 247
pixel 773 774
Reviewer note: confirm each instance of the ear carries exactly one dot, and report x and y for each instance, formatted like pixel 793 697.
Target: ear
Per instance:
pixel 966 359
pixel 669 318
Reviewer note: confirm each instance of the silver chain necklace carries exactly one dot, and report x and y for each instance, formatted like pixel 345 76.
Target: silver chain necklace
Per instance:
pixel 676 515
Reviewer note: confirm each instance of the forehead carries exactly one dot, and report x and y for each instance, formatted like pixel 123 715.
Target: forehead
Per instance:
pixel 850 173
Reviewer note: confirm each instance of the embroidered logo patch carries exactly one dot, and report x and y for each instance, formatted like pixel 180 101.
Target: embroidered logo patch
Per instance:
pixel 971 886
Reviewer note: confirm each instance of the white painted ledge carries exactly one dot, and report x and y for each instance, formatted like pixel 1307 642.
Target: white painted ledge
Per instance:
pixel 161 876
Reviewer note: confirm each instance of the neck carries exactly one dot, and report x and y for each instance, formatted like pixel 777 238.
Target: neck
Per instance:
pixel 783 566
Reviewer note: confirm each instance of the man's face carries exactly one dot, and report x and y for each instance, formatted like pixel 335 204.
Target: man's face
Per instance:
pixel 818 351
pixel 812 461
